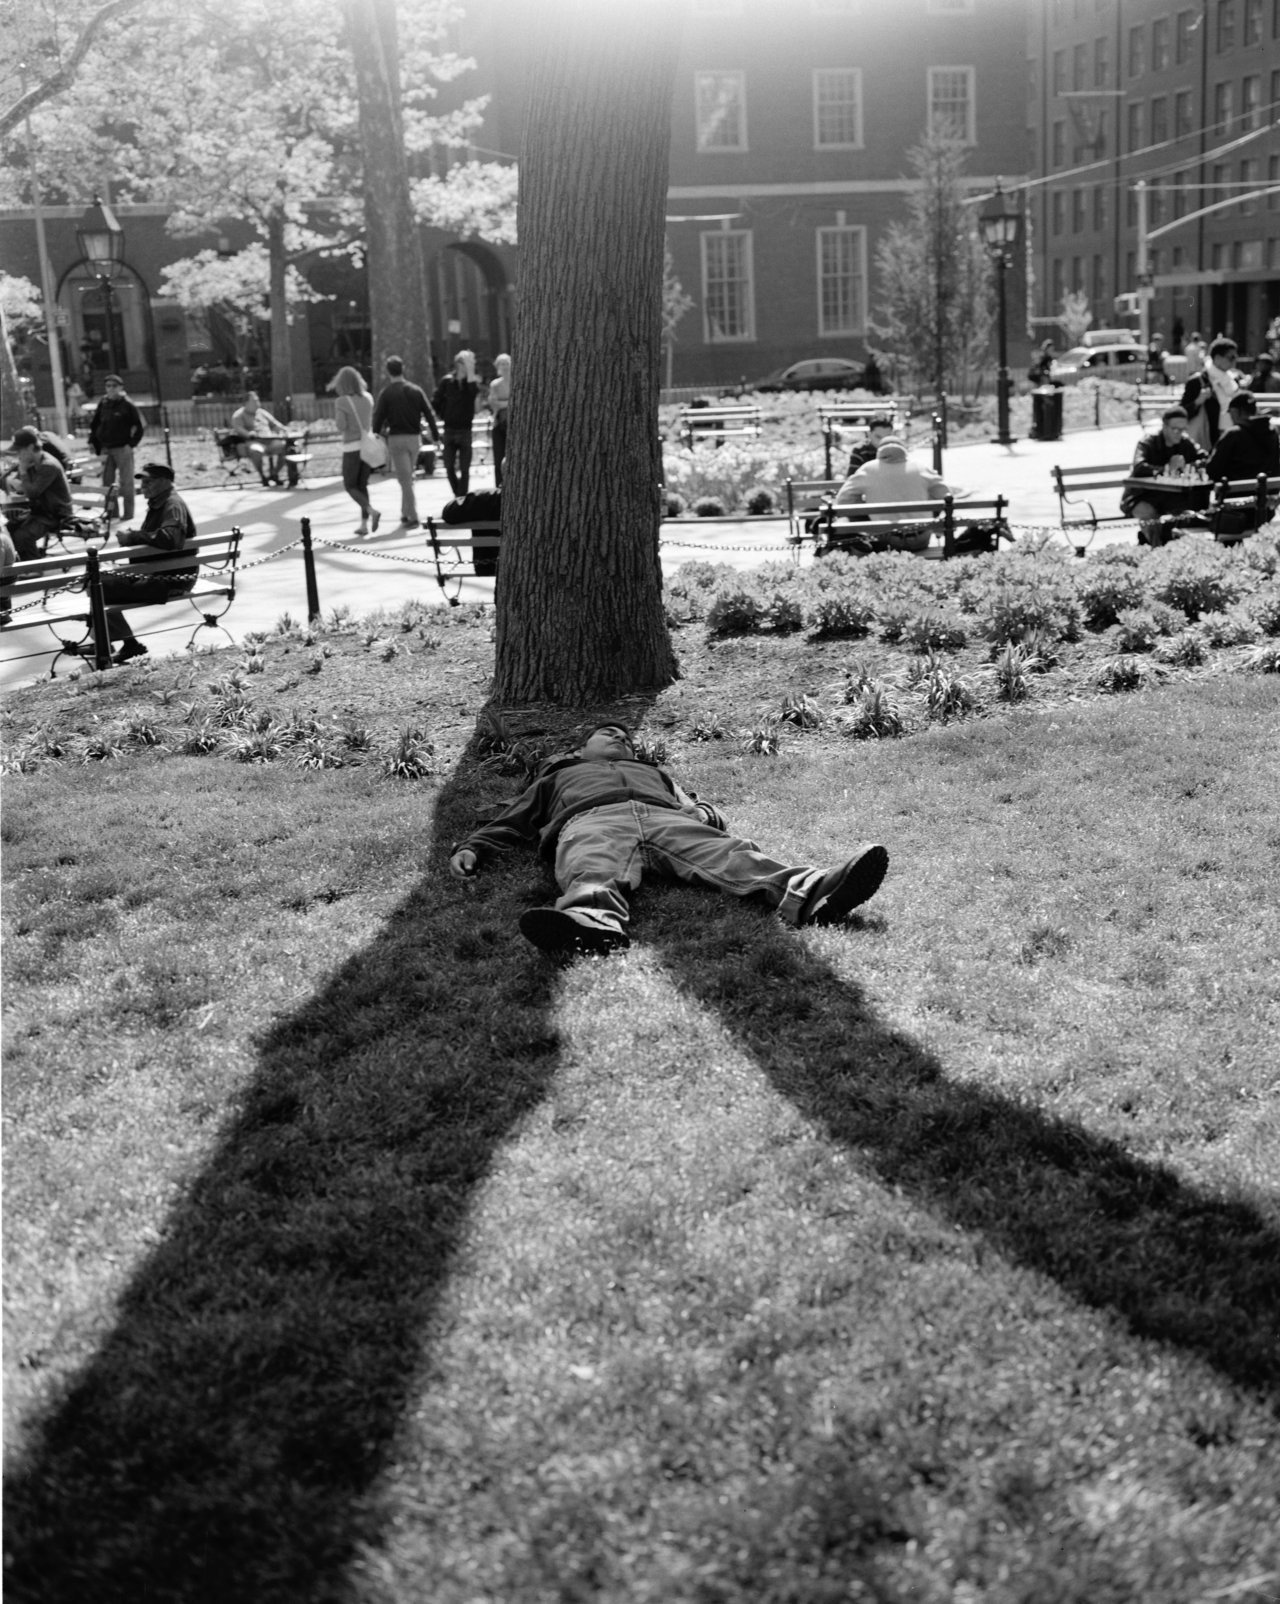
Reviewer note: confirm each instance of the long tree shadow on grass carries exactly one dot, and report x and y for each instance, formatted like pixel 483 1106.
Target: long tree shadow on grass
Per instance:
pixel 1198 1272
pixel 228 1440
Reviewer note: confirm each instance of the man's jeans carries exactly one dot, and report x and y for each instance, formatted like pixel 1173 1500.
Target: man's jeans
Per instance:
pixel 121 458
pixel 402 450
pixel 457 459
pixel 603 853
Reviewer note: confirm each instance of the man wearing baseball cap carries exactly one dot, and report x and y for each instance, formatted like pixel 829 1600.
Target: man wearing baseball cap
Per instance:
pixel 40 480
pixel 168 527
pixel 117 427
pixel 1247 449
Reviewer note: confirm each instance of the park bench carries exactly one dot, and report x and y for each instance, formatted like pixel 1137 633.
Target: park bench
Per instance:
pixel 1077 490
pixel 866 522
pixel 1254 497
pixel 453 544
pixel 1154 400
pixel 806 499
pixel 845 421
pixel 70 588
pixel 741 419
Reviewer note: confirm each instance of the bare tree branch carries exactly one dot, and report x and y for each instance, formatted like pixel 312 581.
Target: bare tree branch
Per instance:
pixel 57 81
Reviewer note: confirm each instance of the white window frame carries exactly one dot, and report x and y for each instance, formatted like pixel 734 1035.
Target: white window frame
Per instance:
pixel 855 74
pixel 710 334
pixel 971 75
pixel 712 78
pixel 858 235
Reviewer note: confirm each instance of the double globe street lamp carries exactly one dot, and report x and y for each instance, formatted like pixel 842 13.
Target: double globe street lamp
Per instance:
pixel 999 223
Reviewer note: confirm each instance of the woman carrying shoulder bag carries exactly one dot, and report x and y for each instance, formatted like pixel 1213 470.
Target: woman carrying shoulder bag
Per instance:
pixel 353 413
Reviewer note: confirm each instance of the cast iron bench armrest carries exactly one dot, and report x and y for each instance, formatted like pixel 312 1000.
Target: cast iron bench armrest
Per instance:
pixel 455 540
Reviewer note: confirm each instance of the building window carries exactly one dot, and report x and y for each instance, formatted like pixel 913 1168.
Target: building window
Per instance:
pixel 1131 209
pixel 721 99
pixel 1077 273
pixel 1135 125
pixel 1251 101
pixel 1080 67
pixel 1099 210
pixel 728 297
pixel 1185 35
pixel 1183 124
pixel 1219 255
pixel 1101 64
pixel 1226 25
pixel 837 108
pixel 1253 22
pixel 1137 52
pixel 951 102
pixel 1099 281
pixel 1275 76
pixel 1273 178
pixel 1077 211
pixel 1059 211
pixel 1059 144
pixel 1059 71
pixel 1178 198
pixel 1251 178
pixel 1221 107
pixel 1159 120
pixel 1055 275
pixel 1160 44
pixel 842 278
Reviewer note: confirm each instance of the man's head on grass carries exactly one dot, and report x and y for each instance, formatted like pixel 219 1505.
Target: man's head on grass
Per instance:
pixel 608 743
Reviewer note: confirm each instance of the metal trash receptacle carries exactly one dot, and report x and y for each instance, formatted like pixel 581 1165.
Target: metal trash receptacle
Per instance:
pixel 1046 412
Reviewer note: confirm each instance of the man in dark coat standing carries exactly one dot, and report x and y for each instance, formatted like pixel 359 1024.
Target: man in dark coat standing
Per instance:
pixel 117 428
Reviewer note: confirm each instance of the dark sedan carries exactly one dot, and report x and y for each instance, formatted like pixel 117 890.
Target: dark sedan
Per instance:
pixel 815 373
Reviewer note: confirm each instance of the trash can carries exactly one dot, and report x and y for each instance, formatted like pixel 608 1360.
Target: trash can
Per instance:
pixel 1046 412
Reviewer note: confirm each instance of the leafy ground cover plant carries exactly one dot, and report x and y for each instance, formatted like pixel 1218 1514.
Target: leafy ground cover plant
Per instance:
pixel 354 1252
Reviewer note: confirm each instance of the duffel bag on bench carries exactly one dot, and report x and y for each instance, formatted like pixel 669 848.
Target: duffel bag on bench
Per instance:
pixel 476 507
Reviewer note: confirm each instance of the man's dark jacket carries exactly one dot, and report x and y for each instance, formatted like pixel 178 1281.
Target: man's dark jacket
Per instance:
pixel 116 422
pixel 402 408
pixel 455 402
pixel 1152 457
pixel 571 785
pixel 1253 447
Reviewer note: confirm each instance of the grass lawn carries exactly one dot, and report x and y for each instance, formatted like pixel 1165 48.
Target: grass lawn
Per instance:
pixel 356 1253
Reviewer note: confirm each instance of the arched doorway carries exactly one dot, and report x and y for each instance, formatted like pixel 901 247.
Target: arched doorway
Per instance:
pixel 107 324
pixel 470 303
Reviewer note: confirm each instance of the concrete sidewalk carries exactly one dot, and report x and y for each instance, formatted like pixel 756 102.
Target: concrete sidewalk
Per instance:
pixel 395 565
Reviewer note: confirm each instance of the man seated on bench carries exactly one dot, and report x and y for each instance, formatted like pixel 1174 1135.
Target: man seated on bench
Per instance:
pixel 40 480
pixel 1250 447
pixel 1167 452
pixel 259 436
pixel 890 477
pixel 167 528
pixel 878 431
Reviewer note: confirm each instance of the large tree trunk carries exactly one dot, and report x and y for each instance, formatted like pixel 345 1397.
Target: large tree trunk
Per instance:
pixel 397 282
pixel 580 615
pixel 281 344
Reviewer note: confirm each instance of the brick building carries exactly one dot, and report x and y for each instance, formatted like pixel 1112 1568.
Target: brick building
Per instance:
pixel 1183 95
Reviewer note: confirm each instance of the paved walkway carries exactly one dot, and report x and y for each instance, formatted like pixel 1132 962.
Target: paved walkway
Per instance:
pixel 394 565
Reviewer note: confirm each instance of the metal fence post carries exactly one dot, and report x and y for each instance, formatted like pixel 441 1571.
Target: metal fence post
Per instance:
pixel 97 609
pixel 826 441
pixel 937 443
pixel 309 564
pixel 168 452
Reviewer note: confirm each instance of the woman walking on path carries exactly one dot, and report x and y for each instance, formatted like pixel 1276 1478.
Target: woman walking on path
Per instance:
pixel 499 398
pixel 353 413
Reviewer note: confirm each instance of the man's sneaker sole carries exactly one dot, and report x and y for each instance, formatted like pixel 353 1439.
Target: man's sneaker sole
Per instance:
pixel 853 884
pixel 560 935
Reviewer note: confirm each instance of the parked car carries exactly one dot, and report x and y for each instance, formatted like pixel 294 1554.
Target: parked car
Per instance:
pixel 1127 361
pixel 815 373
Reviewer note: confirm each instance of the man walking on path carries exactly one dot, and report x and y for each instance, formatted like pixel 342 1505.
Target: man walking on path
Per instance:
pixel 399 412
pixel 117 427
pixel 606 818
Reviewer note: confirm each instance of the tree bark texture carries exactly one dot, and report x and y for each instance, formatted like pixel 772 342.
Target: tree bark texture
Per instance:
pixel 580 613
pixel 397 281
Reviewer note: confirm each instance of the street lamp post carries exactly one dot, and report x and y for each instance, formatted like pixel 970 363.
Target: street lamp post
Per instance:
pixel 999 228
pixel 101 241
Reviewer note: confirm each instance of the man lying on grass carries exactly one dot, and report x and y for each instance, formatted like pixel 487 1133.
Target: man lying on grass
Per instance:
pixel 606 818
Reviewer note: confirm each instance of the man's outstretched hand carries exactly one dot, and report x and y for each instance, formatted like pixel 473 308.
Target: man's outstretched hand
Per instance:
pixel 463 864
